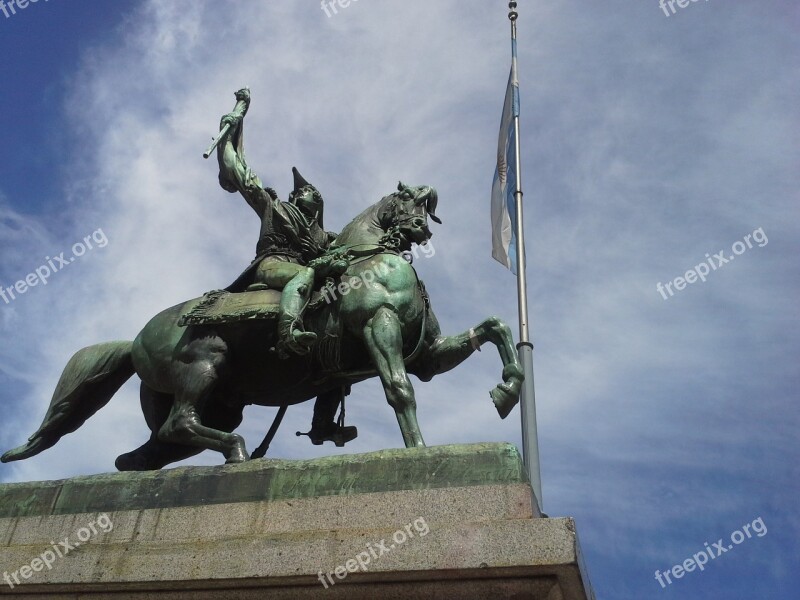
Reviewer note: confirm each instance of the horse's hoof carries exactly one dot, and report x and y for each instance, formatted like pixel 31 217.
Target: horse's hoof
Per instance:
pixel 237 457
pixel 504 400
pixel 132 461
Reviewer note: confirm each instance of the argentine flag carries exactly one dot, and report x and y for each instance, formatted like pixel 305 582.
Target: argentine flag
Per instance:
pixel 504 214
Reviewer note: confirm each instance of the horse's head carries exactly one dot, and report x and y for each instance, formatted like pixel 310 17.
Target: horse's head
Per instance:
pixel 398 220
pixel 406 212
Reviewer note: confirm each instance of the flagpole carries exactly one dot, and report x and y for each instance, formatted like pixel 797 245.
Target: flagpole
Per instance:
pixel 530 435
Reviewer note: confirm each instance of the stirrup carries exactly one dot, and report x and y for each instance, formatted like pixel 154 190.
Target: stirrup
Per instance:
pixel 339 436
pixel 338 432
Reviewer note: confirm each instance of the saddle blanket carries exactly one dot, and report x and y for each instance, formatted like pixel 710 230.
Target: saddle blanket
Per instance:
pixel 219 306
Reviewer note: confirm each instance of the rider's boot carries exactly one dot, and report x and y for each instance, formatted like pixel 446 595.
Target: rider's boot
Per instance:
pixel 324 427
pixel 291 336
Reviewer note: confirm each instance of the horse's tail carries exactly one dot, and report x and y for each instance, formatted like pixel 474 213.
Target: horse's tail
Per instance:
pixel 90 379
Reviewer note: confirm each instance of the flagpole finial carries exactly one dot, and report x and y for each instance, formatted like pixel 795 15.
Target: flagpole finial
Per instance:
pixel 512 14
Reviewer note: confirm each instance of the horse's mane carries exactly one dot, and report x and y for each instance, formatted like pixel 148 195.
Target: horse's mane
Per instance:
pixel 374 216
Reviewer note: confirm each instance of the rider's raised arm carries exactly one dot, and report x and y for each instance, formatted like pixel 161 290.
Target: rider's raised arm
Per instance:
pixel 234 174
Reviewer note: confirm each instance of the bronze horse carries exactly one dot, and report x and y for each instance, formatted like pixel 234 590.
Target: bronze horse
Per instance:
pixel 197 379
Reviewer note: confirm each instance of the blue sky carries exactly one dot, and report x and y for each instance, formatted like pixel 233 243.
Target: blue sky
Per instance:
pixel 649 141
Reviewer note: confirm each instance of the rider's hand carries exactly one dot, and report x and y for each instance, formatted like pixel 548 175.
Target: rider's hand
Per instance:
pixel 243 95
pixel 233 119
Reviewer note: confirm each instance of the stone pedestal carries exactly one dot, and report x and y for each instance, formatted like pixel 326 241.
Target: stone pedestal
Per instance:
pixel 444 522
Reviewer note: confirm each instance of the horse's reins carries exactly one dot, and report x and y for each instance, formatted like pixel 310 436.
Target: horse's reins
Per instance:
pixel 426 307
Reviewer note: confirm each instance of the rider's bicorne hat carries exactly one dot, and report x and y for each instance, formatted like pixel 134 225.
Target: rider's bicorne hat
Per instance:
pixel 312 206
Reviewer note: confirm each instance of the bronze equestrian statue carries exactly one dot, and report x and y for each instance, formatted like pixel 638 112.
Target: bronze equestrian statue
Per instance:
pixel 202 361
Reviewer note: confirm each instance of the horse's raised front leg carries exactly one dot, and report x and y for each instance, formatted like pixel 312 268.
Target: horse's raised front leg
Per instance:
pixel 384 341
pixel 447 352
pixel 196 370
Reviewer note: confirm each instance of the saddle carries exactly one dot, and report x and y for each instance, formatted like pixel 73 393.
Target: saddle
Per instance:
pixel 220 306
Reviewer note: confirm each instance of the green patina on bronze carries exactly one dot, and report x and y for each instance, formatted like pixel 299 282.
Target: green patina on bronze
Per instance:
pixel 269 480
pixel 280 335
